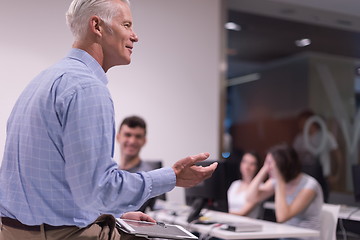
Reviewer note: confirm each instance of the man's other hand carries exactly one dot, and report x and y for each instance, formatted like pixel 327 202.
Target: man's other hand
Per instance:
pixel 188 174
pixel 138 216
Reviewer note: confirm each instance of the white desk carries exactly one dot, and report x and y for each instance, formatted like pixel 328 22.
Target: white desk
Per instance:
pixel 349 213
pixel 346 212
pixel 269 230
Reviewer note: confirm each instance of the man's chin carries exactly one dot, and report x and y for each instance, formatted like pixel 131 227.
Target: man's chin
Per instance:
pixel 131 154
pixel 125 61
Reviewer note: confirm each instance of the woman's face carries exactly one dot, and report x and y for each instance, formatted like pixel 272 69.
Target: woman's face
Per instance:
pixel 248 166
pixel 274 171
pixel 270 161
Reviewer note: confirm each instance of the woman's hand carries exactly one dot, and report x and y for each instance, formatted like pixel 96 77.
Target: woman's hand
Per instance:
pixel 258 190
pixel 138 216
pixel 273 169
pixel 265 169
pixel 276 172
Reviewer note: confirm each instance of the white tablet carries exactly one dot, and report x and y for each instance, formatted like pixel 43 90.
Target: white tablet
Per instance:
pixel 154 230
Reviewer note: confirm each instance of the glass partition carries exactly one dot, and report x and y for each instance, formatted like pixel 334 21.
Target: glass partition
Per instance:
pixel 273 82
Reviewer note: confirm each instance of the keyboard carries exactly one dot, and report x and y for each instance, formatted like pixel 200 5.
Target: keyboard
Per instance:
pixel 347 211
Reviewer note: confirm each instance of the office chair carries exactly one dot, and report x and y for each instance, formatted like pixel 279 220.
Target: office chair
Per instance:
pixel 329 218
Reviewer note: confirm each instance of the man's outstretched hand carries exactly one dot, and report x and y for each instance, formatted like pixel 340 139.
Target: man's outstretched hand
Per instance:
pixel 188 174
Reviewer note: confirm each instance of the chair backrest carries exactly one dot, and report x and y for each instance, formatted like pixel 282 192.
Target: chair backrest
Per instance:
pixel 154 164
pixel 329 218
pixel 148 165
pixel 315 170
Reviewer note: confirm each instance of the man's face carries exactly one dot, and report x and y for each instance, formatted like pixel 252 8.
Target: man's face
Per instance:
pixel 131 140
pixel 119 42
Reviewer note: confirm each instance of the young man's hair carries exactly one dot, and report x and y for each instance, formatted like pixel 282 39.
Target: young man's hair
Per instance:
pixel 133 122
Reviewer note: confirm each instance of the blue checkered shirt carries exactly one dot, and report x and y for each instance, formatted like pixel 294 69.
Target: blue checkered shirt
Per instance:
pixel 58 165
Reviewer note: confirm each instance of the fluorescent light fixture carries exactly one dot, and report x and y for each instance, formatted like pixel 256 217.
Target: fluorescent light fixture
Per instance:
pixel 232 26
pixel 303 42
pixel 243 79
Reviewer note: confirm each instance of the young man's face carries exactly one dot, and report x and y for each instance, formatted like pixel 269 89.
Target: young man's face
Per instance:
pixel 131 140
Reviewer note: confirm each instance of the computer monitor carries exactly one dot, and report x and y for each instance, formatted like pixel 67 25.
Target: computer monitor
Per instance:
pixel 211 193
pixel 356 181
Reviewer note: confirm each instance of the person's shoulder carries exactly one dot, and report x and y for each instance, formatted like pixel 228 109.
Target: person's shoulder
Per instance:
pixel 235 183
pixel 233 187
pixel 307 177
pixel 80 68
pixel 80 75
pixel 238 181
pixel 74 77
pixel 309 181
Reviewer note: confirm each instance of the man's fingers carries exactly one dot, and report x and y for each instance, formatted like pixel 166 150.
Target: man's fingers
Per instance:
pixel 147 218
pixel 189 161
pixel 197 158
pixel 138 216
pixel 208 170
pixel 199 174
pixel 189 174
pixel 212 166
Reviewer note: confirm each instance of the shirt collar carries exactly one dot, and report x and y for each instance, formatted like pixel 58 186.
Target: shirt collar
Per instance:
pixel 90 62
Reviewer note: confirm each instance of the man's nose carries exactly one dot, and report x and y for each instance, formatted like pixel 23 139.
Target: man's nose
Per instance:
pixel 134 37
pixel 132 139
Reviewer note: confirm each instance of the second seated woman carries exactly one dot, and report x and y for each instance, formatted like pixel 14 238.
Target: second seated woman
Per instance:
pixel 298 196
pixel 237 200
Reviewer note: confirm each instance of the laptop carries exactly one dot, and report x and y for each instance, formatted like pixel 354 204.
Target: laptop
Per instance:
pixel 153 230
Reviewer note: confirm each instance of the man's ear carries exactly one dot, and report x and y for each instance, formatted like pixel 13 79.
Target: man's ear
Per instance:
pixel 118 137
pixel 96 25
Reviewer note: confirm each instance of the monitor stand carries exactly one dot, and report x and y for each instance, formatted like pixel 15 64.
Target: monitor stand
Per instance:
pixel 196 207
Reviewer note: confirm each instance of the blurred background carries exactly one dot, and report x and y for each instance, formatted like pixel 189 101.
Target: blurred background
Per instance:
pixel 221 76
pixel 285 57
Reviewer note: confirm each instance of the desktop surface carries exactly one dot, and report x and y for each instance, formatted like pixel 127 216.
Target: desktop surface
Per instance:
pixel 346 212
pixel 269 230
pixel 349 213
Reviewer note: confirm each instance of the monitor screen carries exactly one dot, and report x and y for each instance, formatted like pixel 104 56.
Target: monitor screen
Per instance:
pixel 356 181
pixel 211 193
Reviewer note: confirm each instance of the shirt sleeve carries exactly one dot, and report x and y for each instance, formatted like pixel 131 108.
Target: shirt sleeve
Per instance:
pixel 311 184
pixel 91 173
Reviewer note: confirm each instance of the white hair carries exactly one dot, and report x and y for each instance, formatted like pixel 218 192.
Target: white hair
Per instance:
pixel 80 11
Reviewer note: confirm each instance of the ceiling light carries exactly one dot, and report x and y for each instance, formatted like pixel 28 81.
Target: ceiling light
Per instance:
pixel 303 42
pixel 232 26
pixel 243 79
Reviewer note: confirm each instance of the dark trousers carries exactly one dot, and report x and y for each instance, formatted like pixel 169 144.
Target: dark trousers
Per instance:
pixel 102 229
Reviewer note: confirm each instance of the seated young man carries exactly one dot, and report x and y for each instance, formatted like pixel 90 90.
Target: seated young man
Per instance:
pixel 131 137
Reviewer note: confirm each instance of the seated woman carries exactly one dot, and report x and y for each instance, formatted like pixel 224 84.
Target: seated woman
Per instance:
pixel 237 203
pixel 298 196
